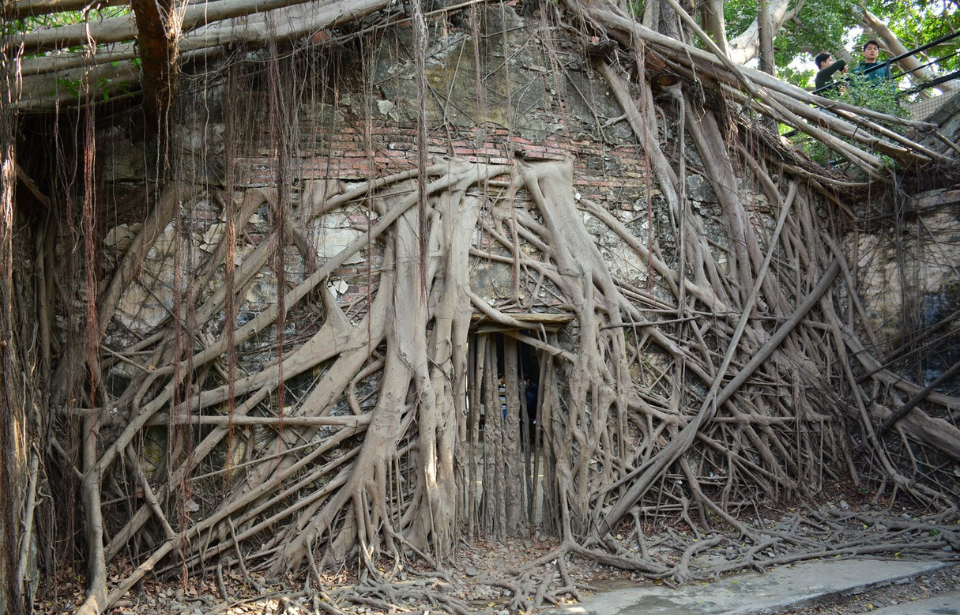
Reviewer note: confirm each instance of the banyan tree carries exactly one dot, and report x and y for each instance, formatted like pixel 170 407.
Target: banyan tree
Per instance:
pixel 296 286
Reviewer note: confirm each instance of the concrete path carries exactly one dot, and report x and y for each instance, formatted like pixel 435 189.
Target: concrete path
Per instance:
pixel 773 592
pixel 943 604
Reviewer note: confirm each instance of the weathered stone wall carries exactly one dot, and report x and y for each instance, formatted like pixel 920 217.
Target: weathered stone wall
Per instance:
pixel 538 99
pixel 532 96
pixel 909 278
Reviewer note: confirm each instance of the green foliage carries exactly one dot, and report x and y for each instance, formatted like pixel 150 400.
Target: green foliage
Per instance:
pixel 106 85
pixel 814 149
pixel 820 26
pixel 66 18
pixel 738 15
pixel 827 25
pixel 800 78
pixel 859 91
pixel 882 96
pixel 70 85
pixel 922 21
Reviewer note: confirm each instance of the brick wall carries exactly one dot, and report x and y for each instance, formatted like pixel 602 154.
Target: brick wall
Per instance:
pixel 611 174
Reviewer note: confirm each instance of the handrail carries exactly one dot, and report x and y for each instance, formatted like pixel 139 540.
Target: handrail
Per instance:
pixel 932 83
pixel 930 63
pixel 923 47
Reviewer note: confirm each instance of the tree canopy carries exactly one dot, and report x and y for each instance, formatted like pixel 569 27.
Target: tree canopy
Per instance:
pixel 839 27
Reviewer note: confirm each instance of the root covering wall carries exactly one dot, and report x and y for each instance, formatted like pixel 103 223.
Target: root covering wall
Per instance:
pixel 604 303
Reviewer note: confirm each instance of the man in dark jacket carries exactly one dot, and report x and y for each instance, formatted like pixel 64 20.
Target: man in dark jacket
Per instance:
pixel 826 68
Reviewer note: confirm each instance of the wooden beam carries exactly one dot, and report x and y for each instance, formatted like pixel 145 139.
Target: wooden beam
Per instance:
pixel 27 182
pixel 481 323
pixel 272 421
pixel 42 93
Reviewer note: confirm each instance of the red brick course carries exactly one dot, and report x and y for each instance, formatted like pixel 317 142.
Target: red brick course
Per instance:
pixel 604 173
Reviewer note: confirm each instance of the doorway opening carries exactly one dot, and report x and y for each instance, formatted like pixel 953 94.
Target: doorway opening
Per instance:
pixel 512 389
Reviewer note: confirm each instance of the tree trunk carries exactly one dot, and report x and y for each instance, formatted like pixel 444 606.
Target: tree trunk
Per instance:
pixel 746 45
pixel 158 31
pixel 715 25
pixel 766 32
pixel 13 423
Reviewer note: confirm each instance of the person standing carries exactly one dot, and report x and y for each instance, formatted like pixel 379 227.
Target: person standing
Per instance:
pixel 870 68
pixel 826 69
pixel 502 393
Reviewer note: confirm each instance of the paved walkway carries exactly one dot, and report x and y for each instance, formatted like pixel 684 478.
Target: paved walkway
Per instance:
pixel 943 604
pixel 775 591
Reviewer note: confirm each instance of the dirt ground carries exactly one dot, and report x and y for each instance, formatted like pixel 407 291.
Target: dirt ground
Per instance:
pixel 202 596
pixel 480 580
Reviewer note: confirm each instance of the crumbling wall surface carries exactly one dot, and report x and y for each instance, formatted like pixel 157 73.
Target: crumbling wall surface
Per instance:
pixel 526 108
pixel 907 272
